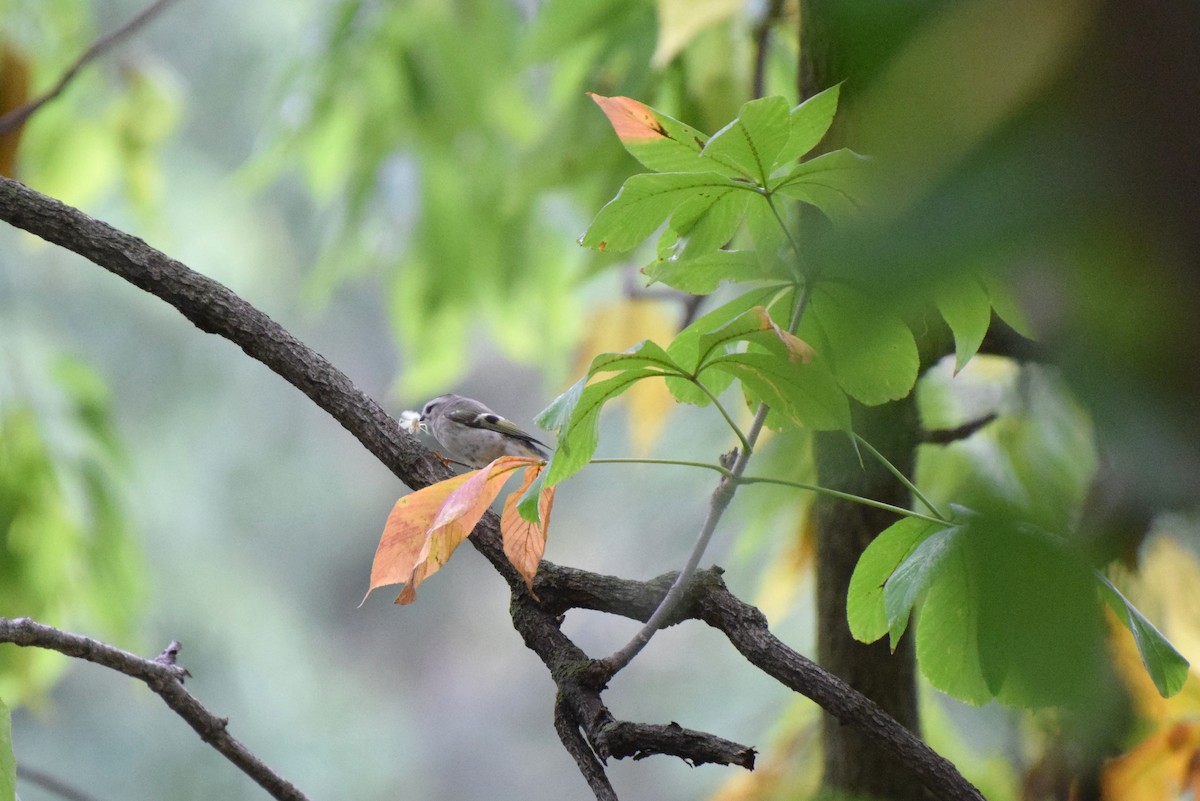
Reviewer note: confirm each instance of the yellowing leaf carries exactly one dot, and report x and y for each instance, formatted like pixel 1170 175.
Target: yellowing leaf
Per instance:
pixel 1163 765
pixel 425 527
pixel 680 21
pixel 525 542
pixel 614 328
pixel 798 350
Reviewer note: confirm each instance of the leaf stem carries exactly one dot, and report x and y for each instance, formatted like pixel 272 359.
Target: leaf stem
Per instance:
pixel 677 462
pixel 845 496
pixel 746 446
pixel 786 231
pixel 895 471
pixel 817 488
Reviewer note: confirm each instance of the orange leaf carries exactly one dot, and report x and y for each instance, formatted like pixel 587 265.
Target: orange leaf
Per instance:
pixel 632 121
pixel 406 531
pixel 426 527
pixel 525 542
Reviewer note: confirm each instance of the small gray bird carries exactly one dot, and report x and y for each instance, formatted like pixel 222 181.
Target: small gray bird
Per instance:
pixel 474 434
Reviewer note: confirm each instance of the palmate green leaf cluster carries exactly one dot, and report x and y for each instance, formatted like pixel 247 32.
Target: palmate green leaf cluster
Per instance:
pixel 718 186
pixel 1009 608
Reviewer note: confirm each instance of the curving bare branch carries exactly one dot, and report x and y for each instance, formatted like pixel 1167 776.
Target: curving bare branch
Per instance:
pixel 164 678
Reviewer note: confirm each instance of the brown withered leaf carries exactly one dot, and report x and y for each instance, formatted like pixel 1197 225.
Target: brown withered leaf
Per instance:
pixel 14 93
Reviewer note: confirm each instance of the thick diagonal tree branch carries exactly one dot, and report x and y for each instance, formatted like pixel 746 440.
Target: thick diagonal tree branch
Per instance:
pixel 579 709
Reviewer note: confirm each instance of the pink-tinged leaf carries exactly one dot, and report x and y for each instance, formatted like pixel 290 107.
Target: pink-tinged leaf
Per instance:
pixel 660 142
pixel 632 121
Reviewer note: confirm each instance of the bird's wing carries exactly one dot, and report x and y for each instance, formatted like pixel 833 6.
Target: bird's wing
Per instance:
pixel 492 422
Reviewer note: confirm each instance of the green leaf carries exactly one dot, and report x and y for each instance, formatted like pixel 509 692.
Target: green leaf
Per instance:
pixel 967 310
pixel 754 326
pixel 647 200
pixel 770 241
pixel 685 348
pixel 685 390
pixel 1007 308
pixel 751 143
pixel 707 221
pixel 806 394
pixel 704 274
pixel 831 182
pixel 1010 613
pixel 528 506
pixel 661 143
pixel 644 354
pixel 913 577
pixel 1166 666
pixel 557 415
pixel 870 350
pixel 8 762
pixel 808 123
pixel 864 600
pixel 577 442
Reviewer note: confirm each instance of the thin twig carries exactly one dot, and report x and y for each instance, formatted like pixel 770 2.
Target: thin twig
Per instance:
pixel 18 116
pixel 51 784
pixel 762 35
pixel 745 626
pixel 164 679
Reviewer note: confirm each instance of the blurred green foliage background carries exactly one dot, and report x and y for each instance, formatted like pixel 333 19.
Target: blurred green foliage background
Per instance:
pixel 401 184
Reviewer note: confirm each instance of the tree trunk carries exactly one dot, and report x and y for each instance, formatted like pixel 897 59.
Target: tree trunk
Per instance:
pixel 854 764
